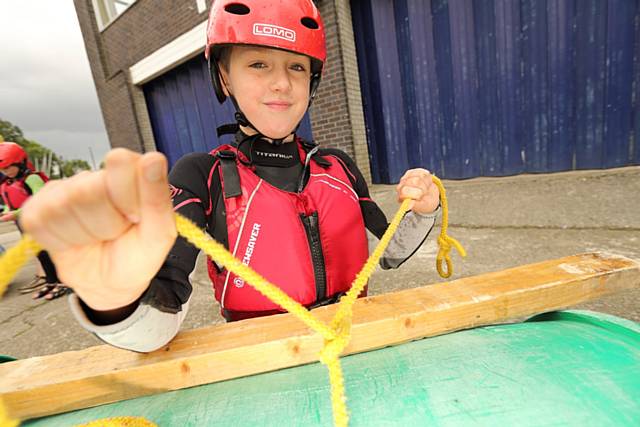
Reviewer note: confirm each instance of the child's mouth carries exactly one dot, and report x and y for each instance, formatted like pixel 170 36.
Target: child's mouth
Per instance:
pixel 278 105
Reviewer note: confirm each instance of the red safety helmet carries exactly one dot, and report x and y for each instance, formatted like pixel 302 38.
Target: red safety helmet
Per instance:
pixel 11 154
pixel 293 25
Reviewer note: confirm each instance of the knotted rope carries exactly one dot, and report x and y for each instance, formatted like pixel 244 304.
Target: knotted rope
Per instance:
pixel 445 242
pixel 336 335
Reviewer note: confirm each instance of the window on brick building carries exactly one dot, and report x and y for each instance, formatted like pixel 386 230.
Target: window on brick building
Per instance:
pixel 108 10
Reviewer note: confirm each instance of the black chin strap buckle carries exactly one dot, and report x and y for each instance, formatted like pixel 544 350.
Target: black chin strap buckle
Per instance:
pixel 241 119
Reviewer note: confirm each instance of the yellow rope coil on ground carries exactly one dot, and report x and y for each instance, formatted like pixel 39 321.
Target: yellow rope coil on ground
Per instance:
pixel 336 335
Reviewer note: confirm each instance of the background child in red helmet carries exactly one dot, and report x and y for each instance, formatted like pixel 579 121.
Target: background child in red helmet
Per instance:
pixel 20 182
pixel 295 212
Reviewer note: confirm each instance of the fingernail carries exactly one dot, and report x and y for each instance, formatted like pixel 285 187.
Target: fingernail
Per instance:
pixel 154 172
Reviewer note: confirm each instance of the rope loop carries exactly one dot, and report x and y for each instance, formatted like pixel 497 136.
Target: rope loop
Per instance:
pixel 336 335
pixel 445 243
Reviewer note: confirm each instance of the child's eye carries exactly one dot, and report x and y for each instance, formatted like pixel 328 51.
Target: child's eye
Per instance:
pixel 298 67
pixel 258 65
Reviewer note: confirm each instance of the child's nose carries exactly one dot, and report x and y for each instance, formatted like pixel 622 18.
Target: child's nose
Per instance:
pixel 281 81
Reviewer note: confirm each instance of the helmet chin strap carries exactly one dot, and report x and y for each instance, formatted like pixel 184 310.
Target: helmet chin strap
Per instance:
pixel 22 168
pixel 242 120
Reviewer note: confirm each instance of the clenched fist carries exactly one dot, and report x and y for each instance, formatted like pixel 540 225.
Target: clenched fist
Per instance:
pixel 417 184
pixel 108 232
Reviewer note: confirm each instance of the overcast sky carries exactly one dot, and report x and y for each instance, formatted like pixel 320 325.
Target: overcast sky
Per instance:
pixel 46 87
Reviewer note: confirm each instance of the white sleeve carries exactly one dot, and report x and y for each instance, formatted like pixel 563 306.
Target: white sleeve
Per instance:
pixel 146 329
pixel 411 234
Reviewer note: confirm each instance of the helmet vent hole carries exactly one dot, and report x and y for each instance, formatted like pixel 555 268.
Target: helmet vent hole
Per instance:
pixel 310 23
pixel 237 9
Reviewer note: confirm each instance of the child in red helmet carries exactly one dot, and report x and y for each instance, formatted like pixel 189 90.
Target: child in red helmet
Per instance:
pixel 18 184
pixel 293 211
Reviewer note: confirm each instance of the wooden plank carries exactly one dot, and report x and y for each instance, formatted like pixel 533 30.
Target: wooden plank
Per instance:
pixel 72 380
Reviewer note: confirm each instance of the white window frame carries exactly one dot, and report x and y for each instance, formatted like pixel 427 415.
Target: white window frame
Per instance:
pixel 202 5
pixel 106 13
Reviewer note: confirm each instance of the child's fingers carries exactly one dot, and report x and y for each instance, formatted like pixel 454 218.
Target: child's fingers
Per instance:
pixel 418 182
pixel 33 223
pixel 156 210
pixel 408 192
pixel 74 212
pixel 122 182
pixel 418 185
pixel 415 181
pixel 414 172
pixel 46 218
pixel 92 209
pixel 415 176
pixel 48 240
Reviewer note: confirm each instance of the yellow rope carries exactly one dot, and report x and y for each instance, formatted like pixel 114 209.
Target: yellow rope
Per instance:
pixel 13 260
pixel 445 241
pixel 5 419
pixel 336 335
pixel 120 422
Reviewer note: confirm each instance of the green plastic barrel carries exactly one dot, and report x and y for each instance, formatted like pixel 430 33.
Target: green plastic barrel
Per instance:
pixel 4 358
pixel 560 369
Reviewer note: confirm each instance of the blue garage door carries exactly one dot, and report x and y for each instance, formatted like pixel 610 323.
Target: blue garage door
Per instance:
pixel 499 87
pixel 184 112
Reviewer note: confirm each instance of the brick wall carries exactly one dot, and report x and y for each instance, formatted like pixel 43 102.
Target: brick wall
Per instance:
pixel 148 25
pixel 336 115
pixel 145 27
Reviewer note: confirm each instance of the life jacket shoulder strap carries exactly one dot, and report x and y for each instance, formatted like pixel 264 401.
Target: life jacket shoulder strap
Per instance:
pixel 230 176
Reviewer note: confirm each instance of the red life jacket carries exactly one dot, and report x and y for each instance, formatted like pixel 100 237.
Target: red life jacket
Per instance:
pixel 311 244
pixel 15 192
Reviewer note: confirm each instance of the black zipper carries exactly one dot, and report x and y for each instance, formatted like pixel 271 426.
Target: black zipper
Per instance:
pixel 310 223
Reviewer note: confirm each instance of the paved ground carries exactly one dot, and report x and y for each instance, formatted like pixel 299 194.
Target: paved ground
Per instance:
pixel 503 222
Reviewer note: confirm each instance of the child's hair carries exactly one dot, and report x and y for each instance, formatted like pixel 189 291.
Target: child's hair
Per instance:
pixel 223 55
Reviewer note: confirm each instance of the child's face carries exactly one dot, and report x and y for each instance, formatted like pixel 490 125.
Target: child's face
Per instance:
pixel 11 171
pixel 271 87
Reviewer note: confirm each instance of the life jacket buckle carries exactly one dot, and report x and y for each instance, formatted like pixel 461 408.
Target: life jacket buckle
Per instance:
pixel 226 155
